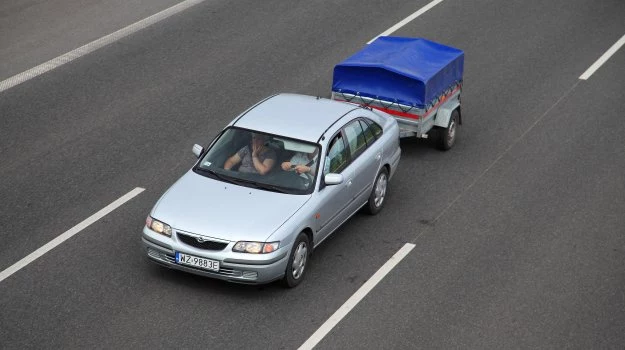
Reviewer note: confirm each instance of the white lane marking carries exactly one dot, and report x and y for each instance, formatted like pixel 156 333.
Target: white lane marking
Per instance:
pixel 356 298
pixel 94 45
pixel 406 20
pixel 69 233
pixel 603 58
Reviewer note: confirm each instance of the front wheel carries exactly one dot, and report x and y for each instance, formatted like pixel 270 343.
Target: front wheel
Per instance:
pixel 298 258
pixel 448 135
pixel 378 193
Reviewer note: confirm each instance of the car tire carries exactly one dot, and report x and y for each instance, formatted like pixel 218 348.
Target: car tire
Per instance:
pixel 378 192
pixel 447 136
pixel 298 259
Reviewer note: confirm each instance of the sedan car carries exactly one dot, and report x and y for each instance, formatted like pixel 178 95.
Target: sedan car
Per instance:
pixel 275 183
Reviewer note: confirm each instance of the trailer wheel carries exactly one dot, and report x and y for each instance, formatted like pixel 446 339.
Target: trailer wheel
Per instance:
pixel 447 136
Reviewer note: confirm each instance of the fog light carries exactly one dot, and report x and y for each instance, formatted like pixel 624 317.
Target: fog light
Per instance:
pixel 250 275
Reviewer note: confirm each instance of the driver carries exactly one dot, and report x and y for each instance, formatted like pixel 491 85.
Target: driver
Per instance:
pixel 254 158
pixel 302 163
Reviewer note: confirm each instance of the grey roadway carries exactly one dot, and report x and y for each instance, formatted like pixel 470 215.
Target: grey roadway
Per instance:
pixel 35 31
pixel 518 230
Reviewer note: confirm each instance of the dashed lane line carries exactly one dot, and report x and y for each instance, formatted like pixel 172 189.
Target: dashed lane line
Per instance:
pixel 94 45
pixel 356 297
pixel 68 234
pixel 408 19
pixel 603 59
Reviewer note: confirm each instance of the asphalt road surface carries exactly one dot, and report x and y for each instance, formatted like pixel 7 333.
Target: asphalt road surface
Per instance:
pixel 519 230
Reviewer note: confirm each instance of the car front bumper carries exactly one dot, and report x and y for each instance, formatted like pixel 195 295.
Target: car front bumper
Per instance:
pixel 233 267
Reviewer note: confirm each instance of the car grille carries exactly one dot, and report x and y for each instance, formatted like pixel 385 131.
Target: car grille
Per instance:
pixel 208 245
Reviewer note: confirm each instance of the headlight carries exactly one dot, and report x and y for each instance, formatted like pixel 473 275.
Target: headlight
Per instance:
pixel 255 247
pixel 157 226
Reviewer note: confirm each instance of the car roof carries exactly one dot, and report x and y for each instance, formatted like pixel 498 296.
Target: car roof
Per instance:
pixel 292 115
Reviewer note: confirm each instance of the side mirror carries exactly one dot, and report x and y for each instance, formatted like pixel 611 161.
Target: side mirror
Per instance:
pixel 197 150
pixel 333 179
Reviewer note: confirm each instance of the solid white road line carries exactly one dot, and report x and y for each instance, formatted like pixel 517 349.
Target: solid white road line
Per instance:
pixel 356 298
pixel 94 45
pixel 68 234
pixel 421 11
pixel 603 58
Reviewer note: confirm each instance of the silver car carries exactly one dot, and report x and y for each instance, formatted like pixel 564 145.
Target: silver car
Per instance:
pixel 276 182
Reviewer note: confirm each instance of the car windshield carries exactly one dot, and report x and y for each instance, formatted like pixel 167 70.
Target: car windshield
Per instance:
pixel 259 160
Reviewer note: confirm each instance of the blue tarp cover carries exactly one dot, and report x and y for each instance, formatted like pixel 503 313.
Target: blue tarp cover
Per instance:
pixel 410 71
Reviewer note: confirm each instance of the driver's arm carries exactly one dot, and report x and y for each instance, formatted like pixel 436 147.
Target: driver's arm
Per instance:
pixel 264 166
pixel 232 161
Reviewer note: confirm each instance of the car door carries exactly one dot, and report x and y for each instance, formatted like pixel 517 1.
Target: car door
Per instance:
pixel 334 200
pixel 365 160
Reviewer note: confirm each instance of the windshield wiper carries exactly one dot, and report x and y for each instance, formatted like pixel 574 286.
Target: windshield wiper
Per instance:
pixel 218 176
pixel 273 188
pixel 239 181
pixel 263 186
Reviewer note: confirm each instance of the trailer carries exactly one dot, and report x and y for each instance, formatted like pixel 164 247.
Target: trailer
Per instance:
pixel 415 80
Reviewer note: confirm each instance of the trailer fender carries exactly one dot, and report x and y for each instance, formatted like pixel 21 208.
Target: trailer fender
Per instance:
pixel 444 113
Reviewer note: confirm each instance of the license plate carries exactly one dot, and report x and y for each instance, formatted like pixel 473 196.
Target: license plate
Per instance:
pixel 196 261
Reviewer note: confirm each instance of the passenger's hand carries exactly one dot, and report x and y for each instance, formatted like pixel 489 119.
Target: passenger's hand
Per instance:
pixel 302 169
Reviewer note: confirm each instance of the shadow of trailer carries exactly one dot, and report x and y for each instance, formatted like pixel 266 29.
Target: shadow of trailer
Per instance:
pixel 417 81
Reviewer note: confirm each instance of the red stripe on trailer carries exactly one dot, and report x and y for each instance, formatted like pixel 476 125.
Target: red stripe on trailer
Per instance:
pixel 398 113
pixel 389 111
pixel 410 115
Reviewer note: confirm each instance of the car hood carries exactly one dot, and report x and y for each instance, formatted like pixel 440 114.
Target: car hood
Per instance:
pixel 212 208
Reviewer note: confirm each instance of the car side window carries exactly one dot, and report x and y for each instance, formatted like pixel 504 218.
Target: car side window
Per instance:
pixel 336 158
pixel 368 132
pixel 355 138
pixel 375 128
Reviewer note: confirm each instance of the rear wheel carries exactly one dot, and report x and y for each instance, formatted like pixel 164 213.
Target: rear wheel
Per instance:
pixel 297 261
pixel 378 193
pixel 447 137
